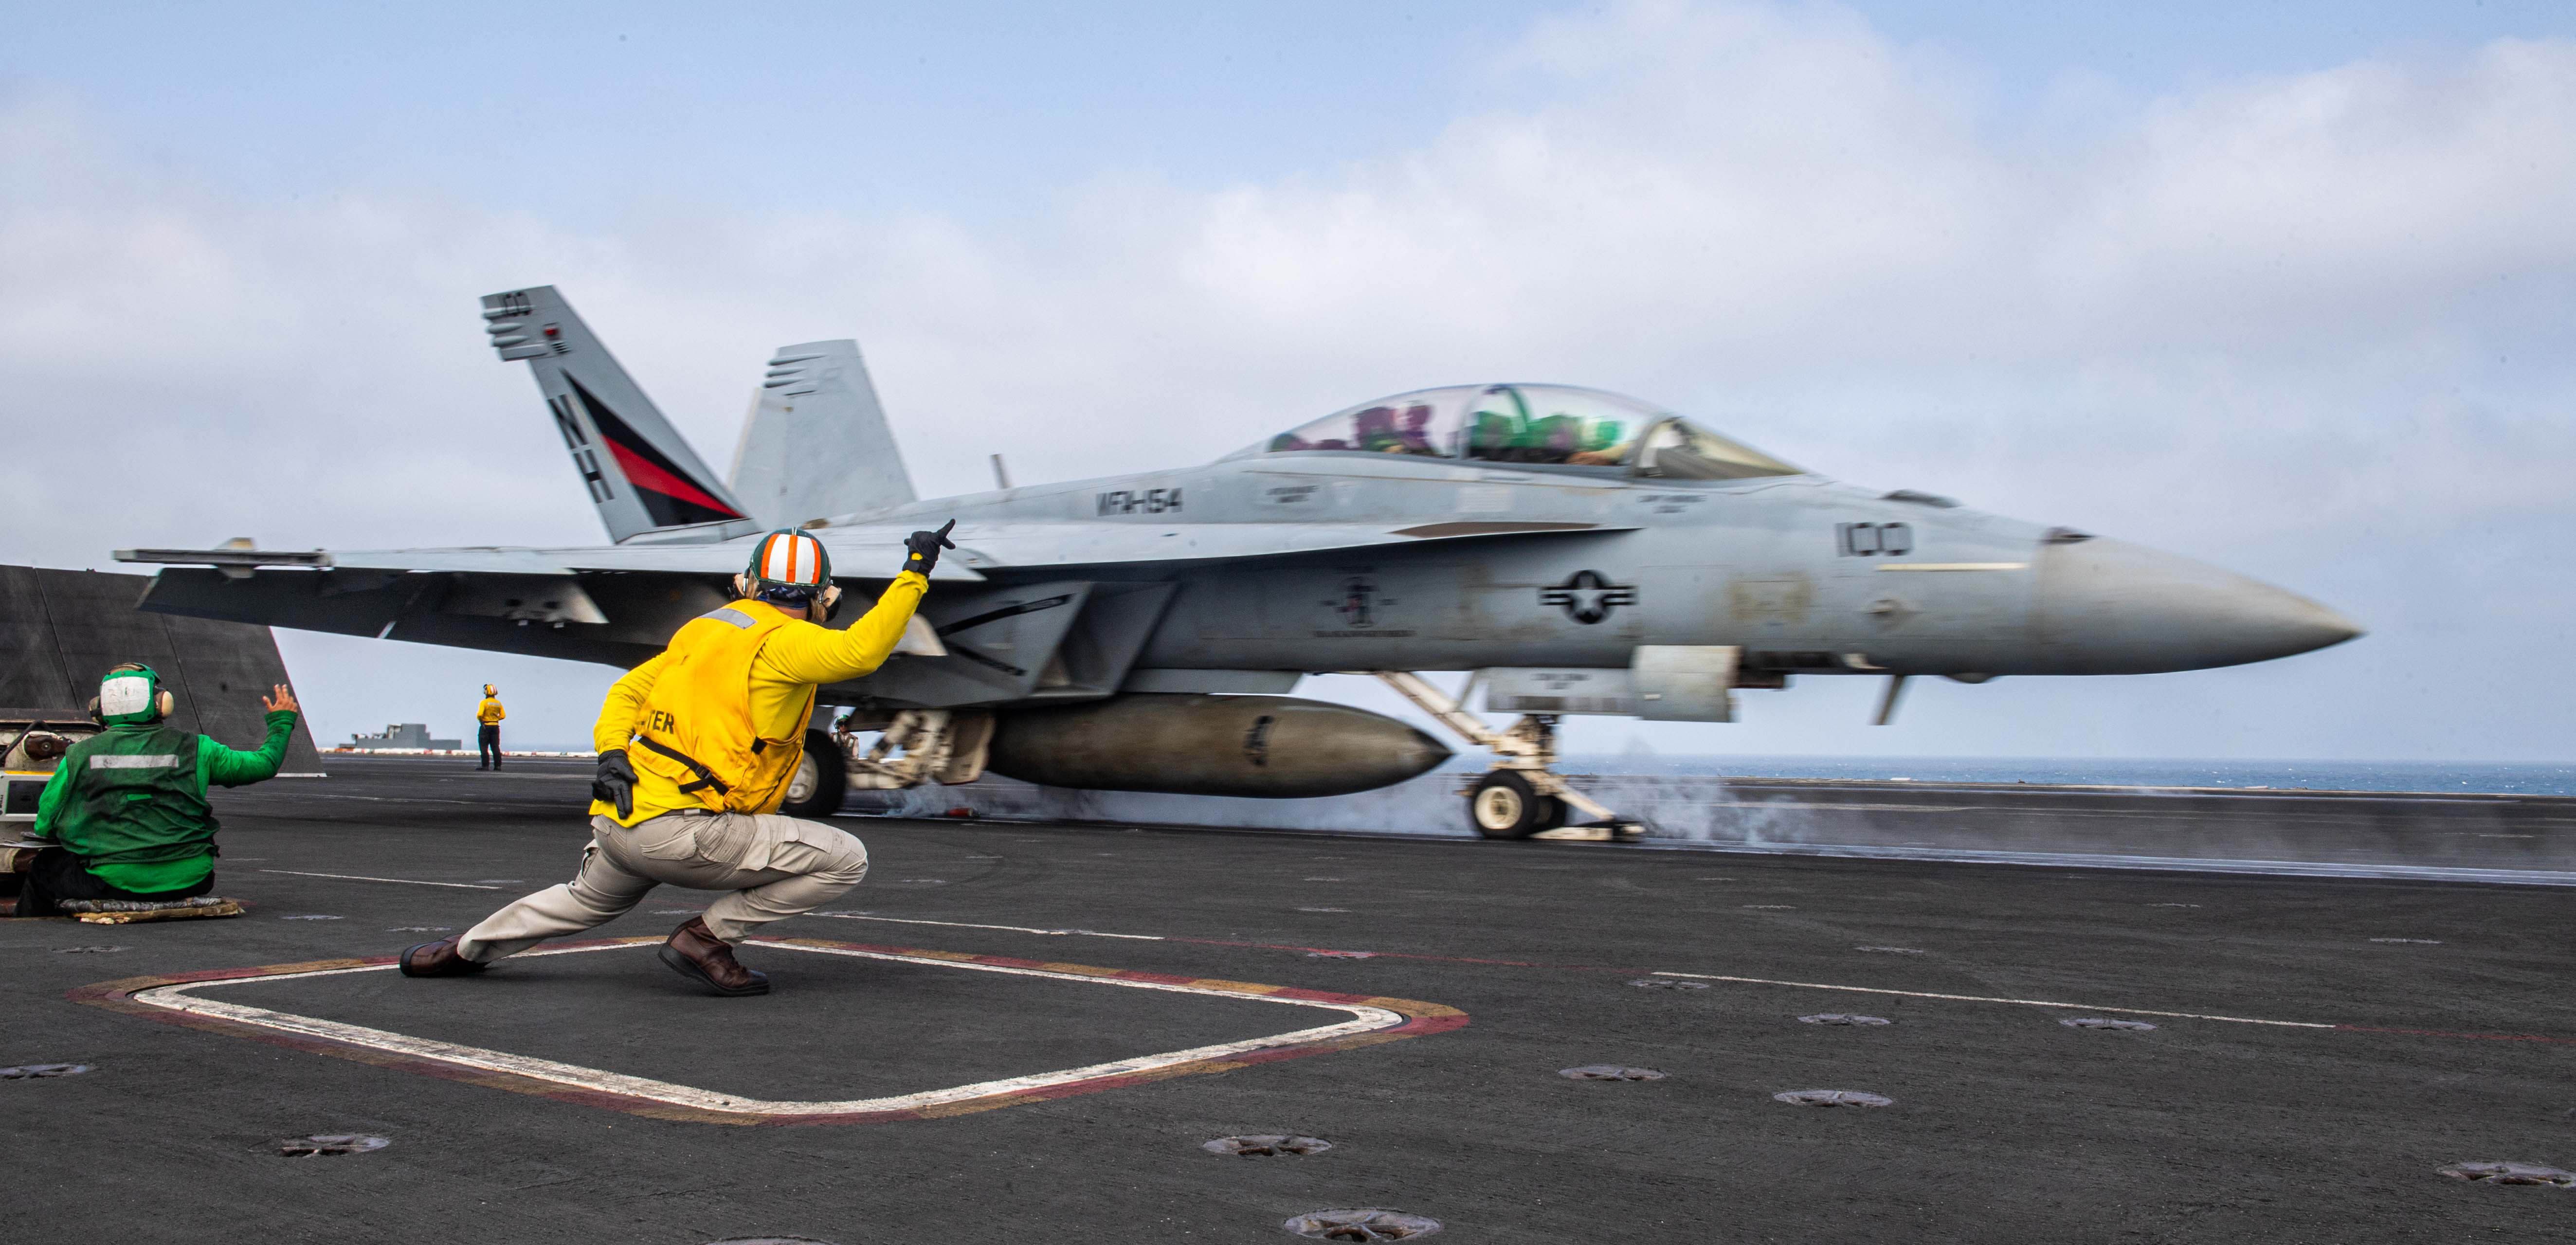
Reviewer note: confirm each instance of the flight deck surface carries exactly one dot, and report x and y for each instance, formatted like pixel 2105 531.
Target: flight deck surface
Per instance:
pixel 2322 1046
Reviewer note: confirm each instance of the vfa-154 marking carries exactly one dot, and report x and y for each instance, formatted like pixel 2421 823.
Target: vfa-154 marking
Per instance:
pixel 1579 552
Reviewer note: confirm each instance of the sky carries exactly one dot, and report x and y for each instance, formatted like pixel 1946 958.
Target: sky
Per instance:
pixel 2284 287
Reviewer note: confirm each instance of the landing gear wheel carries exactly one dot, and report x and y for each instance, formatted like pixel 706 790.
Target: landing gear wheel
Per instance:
pixel 1503 805
pixel 820 780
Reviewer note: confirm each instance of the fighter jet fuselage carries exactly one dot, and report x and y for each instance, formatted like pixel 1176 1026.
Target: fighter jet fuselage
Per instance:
pixel 1581 551
pixel 1803 573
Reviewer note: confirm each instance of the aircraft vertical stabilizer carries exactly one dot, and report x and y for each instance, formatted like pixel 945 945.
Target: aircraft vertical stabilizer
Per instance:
pixel 816 441
pixel 647 482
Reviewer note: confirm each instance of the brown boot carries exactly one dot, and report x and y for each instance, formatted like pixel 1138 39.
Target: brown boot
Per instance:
pixel 695 953
pixel 437 959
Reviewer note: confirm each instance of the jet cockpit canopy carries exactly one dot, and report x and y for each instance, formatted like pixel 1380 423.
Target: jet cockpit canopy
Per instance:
pixel 1530 425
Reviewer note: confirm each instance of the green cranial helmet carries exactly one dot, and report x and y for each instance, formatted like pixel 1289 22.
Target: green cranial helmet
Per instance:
pixel 131 693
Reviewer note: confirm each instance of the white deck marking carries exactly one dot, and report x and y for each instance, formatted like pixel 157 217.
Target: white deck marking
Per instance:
pixel 179 998
pixel 1953 566
pixel 1016 929
pixel 378 799
pixel 355 877
pixel 1974 998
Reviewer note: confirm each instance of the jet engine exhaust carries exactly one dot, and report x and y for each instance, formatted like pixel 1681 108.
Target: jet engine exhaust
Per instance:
pixel 1275 747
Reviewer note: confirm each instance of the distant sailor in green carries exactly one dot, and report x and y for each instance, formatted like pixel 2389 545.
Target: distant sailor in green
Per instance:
pixel 127 807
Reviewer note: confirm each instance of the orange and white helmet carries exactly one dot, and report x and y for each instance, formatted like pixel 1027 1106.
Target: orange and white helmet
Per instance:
pixel 788 563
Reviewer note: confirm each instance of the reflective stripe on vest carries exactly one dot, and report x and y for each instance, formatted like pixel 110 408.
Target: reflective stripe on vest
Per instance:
pixel 696 728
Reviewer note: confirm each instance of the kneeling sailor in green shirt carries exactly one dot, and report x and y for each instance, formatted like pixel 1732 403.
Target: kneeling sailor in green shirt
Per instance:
pixel 127 807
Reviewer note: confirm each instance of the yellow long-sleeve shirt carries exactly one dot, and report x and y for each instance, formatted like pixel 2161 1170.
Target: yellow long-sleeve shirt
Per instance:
pixel 489 712
pixel 796 658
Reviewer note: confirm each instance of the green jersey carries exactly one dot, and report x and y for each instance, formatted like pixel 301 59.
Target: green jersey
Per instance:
pixel 131 800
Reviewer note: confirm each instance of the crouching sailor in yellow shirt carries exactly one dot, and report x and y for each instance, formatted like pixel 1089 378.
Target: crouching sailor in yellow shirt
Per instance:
pixel 696 748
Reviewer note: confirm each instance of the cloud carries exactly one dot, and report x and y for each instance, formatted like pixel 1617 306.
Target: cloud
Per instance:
pixel 2304 325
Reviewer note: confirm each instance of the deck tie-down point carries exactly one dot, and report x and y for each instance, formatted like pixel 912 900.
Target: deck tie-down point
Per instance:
pixel 1361 1225
pixel 1609 1072
pixel 1833 1098
pixel 2496 1171
pixel 32 1071
pixel 320 1144
pixel 1264 1145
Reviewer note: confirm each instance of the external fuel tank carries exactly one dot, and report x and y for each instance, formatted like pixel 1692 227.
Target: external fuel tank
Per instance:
pixel 1270 746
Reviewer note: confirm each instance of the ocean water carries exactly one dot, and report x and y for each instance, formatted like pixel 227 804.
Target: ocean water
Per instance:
pixel 2446 776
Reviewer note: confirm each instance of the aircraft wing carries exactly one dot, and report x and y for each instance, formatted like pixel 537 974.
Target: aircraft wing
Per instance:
pixel 1058 545
pixel 1069 637
pixel 865 552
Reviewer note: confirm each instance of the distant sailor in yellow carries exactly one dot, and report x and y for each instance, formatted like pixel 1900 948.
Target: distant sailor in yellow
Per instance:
pixel 487 735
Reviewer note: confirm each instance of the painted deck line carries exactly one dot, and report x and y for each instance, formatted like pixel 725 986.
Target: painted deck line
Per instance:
pixel 2087 860
pixel 173 999
pixel 1230 942
pixel 1976 998
pixel 2137 1011
pixel 1810 985
pixel 1015 929
pixel 355 877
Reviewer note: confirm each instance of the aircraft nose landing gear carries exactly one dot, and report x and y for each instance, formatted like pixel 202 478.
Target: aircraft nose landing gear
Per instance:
pixel 1520 798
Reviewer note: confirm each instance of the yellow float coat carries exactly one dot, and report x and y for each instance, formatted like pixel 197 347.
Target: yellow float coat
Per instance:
pixel 722 687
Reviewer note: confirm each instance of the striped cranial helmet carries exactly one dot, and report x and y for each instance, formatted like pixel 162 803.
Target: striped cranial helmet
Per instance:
pixel 788 564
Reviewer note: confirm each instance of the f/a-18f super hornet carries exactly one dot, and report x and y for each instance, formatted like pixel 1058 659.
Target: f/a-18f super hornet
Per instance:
pixel 1577 551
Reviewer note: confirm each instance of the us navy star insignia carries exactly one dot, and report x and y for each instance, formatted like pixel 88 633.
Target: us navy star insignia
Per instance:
pixel 1587 597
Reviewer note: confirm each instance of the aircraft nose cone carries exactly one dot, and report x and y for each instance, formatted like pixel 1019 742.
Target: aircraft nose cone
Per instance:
pixel 2110 607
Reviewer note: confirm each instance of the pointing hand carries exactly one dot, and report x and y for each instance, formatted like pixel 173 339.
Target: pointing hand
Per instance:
pixel 925 547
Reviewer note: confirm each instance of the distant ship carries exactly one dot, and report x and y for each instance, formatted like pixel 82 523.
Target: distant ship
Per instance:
pixel 404 737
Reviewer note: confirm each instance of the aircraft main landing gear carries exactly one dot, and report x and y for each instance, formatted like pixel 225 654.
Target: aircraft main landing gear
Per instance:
pixel 1520 798
pixel 1504 805
pixel 820 780
pixel 935 745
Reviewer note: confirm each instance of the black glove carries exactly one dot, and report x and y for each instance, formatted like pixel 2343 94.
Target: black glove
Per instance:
pixel 925 547
pixel 615 782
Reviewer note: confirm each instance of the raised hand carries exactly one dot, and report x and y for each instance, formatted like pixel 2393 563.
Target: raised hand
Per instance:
pixel 925 547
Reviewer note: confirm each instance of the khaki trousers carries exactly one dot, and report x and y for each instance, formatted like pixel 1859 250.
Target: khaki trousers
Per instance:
pixel 775 866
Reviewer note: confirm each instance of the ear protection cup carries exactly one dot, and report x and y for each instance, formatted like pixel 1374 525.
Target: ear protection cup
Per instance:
pixel 831 602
